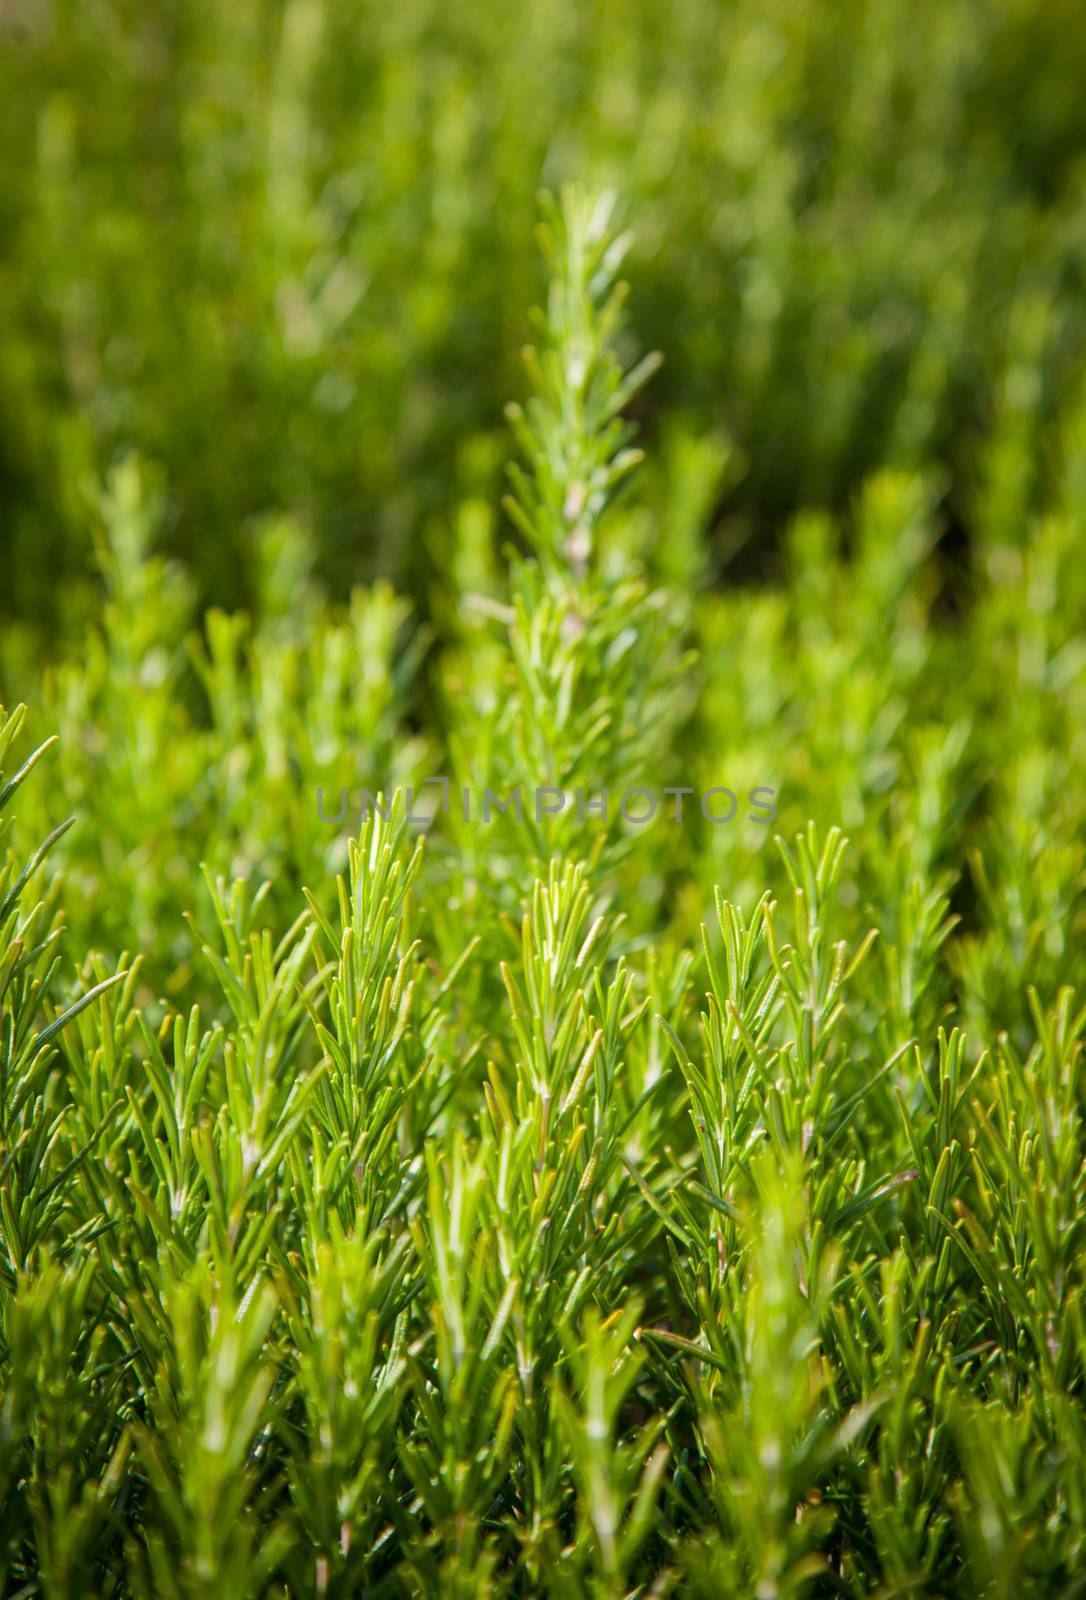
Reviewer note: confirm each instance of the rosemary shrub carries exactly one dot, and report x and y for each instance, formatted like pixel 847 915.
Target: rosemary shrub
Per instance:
pixel 555 1206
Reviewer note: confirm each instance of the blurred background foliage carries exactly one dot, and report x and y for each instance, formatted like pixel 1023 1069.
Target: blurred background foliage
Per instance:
pixel 284 248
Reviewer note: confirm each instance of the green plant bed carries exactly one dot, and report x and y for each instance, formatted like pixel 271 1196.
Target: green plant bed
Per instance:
pixel 555 1202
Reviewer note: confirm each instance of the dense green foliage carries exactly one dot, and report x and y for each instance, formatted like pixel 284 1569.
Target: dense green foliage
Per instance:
pixel 285 247
pixel 451 1216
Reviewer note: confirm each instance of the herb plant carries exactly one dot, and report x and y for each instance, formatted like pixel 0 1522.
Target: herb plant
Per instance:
pixel 555 1204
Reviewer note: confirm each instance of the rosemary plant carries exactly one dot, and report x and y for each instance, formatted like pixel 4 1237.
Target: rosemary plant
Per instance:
pixel 555 1202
